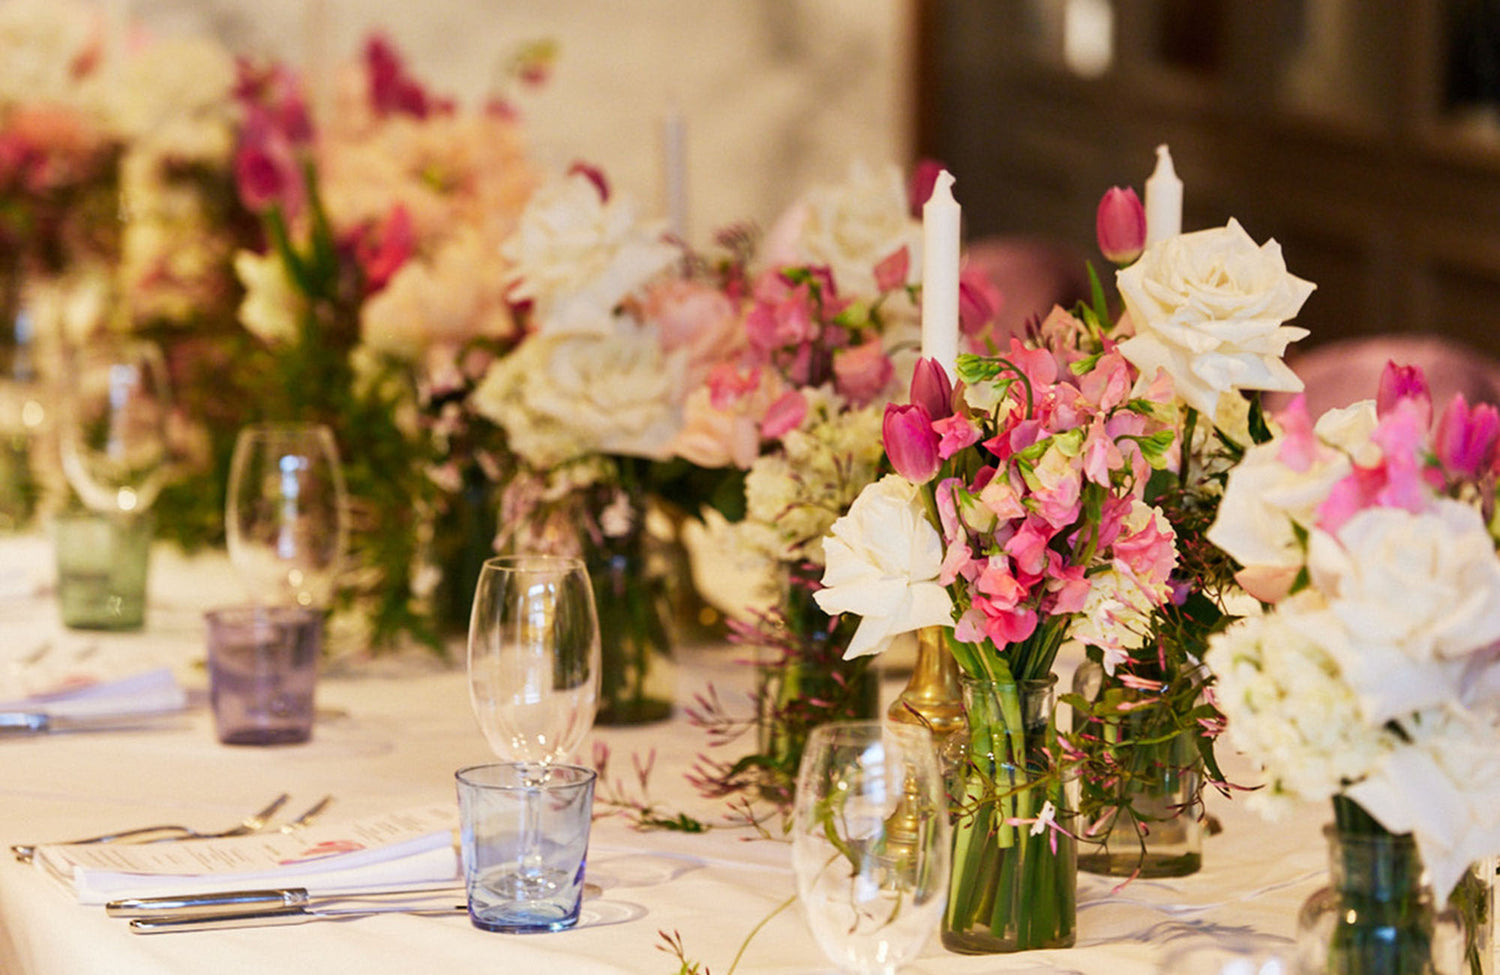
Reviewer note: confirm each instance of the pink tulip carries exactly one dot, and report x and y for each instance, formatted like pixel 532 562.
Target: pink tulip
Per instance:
pixel 392 90
pixel 265 167
pixel 923 177
pixel 910 442
pixel 931 389
pixel 1121 225
pixel 1403 382
pixel 979 300
pixel 383 250
pixel 1465 439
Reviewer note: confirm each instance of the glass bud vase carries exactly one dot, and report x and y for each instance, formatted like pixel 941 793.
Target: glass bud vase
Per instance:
pixel 1156 829
pixel 807 682
pixel 1015 866
pixel 638 676
pixel 1377 915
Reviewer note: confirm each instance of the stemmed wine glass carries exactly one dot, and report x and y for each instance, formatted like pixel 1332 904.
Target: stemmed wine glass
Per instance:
pixel 534 657
pixel 870 843
pixel 287 517
pixel 114 425
pixel 534 686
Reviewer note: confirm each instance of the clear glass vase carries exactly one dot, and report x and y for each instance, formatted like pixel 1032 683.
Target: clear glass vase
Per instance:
pixel 1377 916
pixel 806 682
pixel 1015 874
pixel 638 676
pixel 1156 828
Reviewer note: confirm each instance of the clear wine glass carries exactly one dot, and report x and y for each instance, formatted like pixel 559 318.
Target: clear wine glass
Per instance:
pixel 870 843
pixel 534 657
pixel 287 515
pixel 113 425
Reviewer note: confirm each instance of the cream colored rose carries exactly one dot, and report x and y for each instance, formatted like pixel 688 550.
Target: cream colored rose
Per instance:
pixel 456 296
pixel 1208 309
pixel 850 227
pixel 1418 593
pixel 561 397
pixel 883 559
pixel 578 256
pixel 273 306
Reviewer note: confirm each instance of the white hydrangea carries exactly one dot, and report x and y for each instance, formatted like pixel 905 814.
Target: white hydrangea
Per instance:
pixel 1290 706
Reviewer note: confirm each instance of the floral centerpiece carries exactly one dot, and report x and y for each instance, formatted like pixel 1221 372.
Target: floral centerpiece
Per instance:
pixel 1371 677
pixel 1208 309
pixel 592 403
pixel 830 307
pixel 382 275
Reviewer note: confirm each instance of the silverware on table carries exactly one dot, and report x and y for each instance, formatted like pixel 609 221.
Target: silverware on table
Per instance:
pixel 253 823
pixel 311 813
pixel 293 905
pixel 26 724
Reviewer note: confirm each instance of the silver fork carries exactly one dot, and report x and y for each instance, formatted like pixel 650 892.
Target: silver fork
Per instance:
pixel 250 824
pixel 308 816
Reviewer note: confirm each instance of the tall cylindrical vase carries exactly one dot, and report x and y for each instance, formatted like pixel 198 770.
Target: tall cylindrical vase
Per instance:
pixel 1377 916
pixel 638 675
pixel 1015 870
pixel 1154 828
pixel 808 682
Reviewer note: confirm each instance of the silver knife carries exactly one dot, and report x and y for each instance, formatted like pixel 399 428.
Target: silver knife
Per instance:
pixel 168 923
pixel 27 723
pixel 275 901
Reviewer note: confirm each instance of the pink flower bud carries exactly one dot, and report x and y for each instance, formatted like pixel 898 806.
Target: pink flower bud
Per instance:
pixel 910 442
pixel 931 389
pixel 1121 225
pixel 1465 439
pixel 1403 382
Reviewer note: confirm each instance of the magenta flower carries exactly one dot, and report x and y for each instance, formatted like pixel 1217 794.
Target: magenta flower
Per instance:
pixel 594 175
pixel 1121 226
pixel 931 388
pixel 265 167
pixel 910 442
pixel 1465 438
pixel 392 90
pixel 385 249
pixel 1403 382
pixel 923 177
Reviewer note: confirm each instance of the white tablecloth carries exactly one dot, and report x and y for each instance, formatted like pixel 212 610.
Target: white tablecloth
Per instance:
pixel 394 738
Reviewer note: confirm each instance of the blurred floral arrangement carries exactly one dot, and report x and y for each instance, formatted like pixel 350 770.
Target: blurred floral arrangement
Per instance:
pixel 1371 678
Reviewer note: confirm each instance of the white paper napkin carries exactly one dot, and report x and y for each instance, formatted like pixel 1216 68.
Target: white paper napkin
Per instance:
pixel 149 692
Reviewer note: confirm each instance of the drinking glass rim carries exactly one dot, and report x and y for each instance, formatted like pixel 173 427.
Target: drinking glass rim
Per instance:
pixel 261 612
pixel 286 427
pixel 579 777
pixel 525 561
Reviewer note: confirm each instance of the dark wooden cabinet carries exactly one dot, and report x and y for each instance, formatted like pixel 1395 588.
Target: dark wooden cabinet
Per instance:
pixel 1363 135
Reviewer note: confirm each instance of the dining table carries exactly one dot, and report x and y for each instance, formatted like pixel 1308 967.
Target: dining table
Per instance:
pixel 391 730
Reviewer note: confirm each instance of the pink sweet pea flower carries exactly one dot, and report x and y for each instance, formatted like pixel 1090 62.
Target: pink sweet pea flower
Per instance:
pixel 910 442
pixel 891 272
pixel 1398 383
pixel 958 563
pixel 782 315
pixel 956 432
pixel 1067 585
pixel 931 388
pixel 862 372
pixel 1299 448
pixel 1028 547
pixel 727 384
pixel 1465 438
pixel 784 415
pixel 1120 225
pixel 392 91
pixel 1006 626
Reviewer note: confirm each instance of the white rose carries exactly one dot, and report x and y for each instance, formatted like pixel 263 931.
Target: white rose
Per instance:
pixel 1418 594
pixel 577 256
pixel 560 397
pixel 883 559
pixel 273 306
pixel 850 227
pixel 1208 308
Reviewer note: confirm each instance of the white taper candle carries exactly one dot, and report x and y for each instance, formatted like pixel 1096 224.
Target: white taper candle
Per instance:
pixel 1163 199
pixel 941 218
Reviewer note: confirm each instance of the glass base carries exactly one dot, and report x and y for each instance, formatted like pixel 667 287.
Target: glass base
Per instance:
pixel 267 736
pixel 510 902
pixel 984 943
pixel 643 711
pixel 1125 863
